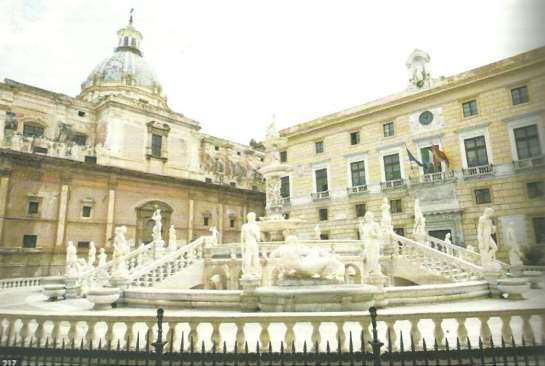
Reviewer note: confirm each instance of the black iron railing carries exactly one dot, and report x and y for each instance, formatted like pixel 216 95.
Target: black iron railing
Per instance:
pixel 161 352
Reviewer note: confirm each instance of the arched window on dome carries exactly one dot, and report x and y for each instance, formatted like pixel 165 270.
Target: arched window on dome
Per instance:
pixel 133 42
pixel 126 41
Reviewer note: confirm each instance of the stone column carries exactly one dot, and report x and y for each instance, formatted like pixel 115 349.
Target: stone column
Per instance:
pixel 4 186
pixel 61 219
pixel 2 123
pixel 191 219
pixel 220 223
pixel 110 216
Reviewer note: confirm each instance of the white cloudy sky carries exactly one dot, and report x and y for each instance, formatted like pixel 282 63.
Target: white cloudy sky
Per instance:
pixel 232 64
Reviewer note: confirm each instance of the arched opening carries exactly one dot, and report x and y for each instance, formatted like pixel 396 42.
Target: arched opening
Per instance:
pixel 144 222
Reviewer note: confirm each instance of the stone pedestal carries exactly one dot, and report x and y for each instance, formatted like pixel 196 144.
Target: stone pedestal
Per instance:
pixel 491 275
pixel 248 299
pixel 122 282
pixel 54 291
pixel 378 280
pixel 516 271
pixel 72 286
pixel 534 277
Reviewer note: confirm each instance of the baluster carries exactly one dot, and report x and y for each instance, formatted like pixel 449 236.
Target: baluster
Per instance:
pixel 264 337
pixel 72 332
pixel 341 337
pixel 149 329
pixel 4 329
pixel 316 337
pixel 462 330
pixel 289 337
pixel 131 334
pixel 527 331
pixel 240 337
pixel 192 333
pixel 39 333
pixel 57 332
pixel 216 335
pixel 485 329
pixel 25 332
pixel 543 330
pixel 415 332
pixel 109 335
pixel 506 331
pixel 393 336
pixel 438 332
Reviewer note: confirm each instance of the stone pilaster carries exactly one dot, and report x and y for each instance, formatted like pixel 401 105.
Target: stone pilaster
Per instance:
pixel 110 215
pixel 220 223
pixel 191 219
pixel 4 187
pixel 2 123
pixel 61 218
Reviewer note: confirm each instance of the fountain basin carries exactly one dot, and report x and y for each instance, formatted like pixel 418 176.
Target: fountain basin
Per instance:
pixel 534 277
pixel 103 297
pixel 54 292
pixel 315 298
pixel 513 288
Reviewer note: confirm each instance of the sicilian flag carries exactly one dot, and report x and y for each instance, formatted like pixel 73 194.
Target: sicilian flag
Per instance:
pixel 412 158
pixel 438 155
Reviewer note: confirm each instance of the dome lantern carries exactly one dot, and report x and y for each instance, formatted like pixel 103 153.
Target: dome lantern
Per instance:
pixel 129 38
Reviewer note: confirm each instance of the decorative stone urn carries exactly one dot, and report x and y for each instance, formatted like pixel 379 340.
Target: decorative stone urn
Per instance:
pixel 103 297
pixel 54 291
pixel 534 277
pixel 512 288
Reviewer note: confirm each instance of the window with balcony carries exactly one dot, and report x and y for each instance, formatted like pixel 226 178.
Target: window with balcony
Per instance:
pixel 470 108
pixel 527 142
pixel 395 206
pixel 285 187
pixel 536 189
pixel 392 168
pixel 323 214
pixel 319 147
pixel 429 165
pixel 482 195
pixel 388 129
pixel 476 151
pixel 321 180
pixel 283 156
pixel 539 229
pixel 519 95
pixel 30 241
pixel 360 210
pixel 354 138
pixel 31 130
pixel 357 171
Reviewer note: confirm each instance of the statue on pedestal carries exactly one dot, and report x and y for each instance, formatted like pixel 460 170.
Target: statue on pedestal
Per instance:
pixel 71 260
pixel 158 226
pixel 121 248
pixel 172 239
pixel 515 253
pixel 214 236
pixel 419 229
pixel 487 245
pixel 371 236
pixel 447 239
pixel 386 222
pixel 317 232
pixel 250 235
pixel 92 253
pixel 102 257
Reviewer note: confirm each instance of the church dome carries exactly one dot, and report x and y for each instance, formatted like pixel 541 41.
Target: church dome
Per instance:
pixel 125 72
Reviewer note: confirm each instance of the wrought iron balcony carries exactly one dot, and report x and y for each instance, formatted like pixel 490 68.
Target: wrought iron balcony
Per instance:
pixel 356 190
pixel 393 184
pixel 439 177
pixel 534 162
pixel 479 171
pixel 318 196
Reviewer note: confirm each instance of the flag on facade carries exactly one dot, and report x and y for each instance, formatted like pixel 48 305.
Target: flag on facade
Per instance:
pixel 412 158
pixel 439 155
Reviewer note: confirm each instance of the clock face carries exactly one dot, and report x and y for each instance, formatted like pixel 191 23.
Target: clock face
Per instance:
pixel 425 118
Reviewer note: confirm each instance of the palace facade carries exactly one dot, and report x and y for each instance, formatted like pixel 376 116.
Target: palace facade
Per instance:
pixel 458 144
pixel 74 168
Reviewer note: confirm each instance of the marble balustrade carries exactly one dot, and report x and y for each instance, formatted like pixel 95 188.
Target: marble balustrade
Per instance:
pixel 20 282
pixel 22 328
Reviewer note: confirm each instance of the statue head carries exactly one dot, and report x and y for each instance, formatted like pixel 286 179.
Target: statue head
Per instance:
pixel 70 243
pixel 101 250
pixel 488 212
pixel 447 236
pixel 92 244
pixel 369 217
pixel 251 216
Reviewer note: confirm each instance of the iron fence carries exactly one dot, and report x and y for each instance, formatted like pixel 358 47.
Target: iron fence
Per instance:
pixel 161 352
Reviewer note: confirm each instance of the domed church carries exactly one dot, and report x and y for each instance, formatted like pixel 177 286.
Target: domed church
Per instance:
pixel 74 168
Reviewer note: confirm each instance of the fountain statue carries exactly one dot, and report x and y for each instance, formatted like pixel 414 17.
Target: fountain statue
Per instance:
pixel 419 228
pixel 71 260
pixel 92 253
pixel 250 235
pixel 294 260
pixel 121 248
pixel 172 239
pixel 102 257
pixel 515 253
pixel 317 232
pixel 447 238
pixel 213 238
pixel 487 245
pixel 386 222
pixel 158 226
pixel 371 235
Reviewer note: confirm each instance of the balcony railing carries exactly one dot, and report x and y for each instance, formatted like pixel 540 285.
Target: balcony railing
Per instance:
pixel 534 162
pixel 439 177
pixel 479 171
pixel 317 196
pixel 356 190
pixel 392 184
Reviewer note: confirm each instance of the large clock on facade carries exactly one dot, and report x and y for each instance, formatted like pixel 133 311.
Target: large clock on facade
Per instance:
pixel 425 118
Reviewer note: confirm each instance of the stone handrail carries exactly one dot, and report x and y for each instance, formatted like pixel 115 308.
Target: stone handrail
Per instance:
pixel 408 246
pixel 20 328
pixel 460 252
pixel 20 282
pixel 167 265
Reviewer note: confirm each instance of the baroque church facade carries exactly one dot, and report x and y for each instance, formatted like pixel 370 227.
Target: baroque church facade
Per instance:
pixel 458 144
pixel 74 168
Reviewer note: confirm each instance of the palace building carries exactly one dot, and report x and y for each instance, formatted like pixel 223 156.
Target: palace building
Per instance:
pixel 74 168
pixel 458 144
